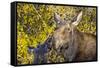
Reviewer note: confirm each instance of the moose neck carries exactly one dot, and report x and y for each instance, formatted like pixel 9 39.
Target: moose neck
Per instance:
pixel 73 45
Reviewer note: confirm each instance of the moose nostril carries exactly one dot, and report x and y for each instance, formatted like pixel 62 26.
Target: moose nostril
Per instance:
pixel 61 48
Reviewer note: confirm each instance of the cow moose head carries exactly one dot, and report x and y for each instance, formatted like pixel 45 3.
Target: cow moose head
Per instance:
pixel 64 34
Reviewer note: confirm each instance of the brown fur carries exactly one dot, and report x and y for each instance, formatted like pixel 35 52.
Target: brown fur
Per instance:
pixel 86 47
pixel 73 44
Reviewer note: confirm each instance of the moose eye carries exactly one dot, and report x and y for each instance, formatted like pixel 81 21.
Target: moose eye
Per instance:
pixel 68 29
pixel 66 47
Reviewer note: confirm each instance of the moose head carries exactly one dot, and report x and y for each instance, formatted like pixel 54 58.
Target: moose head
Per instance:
pixel 64 35
pixel 65 30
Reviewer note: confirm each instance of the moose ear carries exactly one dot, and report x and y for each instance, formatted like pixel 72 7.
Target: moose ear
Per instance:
pixel 79 17
pixel 57 18
pixel 30 49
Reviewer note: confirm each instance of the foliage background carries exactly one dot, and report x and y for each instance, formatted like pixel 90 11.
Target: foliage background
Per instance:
pixel 36 22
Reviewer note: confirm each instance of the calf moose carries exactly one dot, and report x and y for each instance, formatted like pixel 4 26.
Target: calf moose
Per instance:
pixel 41 51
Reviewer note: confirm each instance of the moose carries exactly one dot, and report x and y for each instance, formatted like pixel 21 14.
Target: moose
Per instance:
pixel 73 44
pixel 68 41
pixel 41 51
